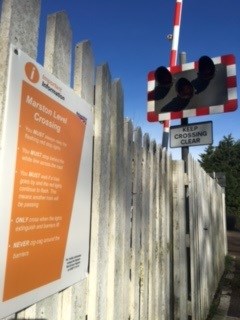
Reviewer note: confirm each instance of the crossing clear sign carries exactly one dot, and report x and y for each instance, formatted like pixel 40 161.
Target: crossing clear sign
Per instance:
pixel 194 134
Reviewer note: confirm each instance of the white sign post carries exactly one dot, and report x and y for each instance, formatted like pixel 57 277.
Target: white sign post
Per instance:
pixel 45 190
pixel 194 134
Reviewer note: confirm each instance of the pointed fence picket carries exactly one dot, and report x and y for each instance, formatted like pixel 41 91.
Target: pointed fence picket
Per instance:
pixel 138 245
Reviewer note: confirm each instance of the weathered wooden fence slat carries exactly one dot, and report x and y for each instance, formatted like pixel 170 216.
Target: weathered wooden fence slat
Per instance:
pixel 136 224
pixel 116 221
pixel 179 242
pixel 84 71
pixel 84 76
pixel 144 271
pixel 58 53
pixel 20 29
pixel 127 214
pixel 98 275
pixel 158 231
pixel 152 231
pixel 139 243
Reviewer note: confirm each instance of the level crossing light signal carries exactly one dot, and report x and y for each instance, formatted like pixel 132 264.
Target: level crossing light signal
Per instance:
pixel 204 87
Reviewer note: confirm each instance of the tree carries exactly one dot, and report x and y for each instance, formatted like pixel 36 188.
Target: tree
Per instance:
pixel 225 158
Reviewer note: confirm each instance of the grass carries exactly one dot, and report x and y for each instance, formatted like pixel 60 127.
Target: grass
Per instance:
pixel 223 282
pixel 213 308
pixel 235 282
pixel 216 299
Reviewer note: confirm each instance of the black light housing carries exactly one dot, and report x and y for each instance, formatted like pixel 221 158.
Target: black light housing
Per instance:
pixel 206 68
pixel 163 77
pixel 184 88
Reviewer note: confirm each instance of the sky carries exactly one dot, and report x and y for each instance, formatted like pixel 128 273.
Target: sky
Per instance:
pixel 131 36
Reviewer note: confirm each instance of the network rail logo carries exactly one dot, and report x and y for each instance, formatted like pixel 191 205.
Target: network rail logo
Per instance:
pixel 33 76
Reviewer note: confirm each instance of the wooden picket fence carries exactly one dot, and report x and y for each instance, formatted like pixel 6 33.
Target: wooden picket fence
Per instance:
pixel 148 259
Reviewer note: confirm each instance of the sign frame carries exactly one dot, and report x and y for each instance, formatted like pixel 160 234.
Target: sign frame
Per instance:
pixel 47 167
pixel 189 135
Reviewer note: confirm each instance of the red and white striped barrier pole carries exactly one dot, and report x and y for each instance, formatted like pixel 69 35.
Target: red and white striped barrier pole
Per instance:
pixel 176 33
pixel 173 59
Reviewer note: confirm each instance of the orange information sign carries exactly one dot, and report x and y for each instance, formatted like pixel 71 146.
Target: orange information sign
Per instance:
pixel 48 192
pixel 46 171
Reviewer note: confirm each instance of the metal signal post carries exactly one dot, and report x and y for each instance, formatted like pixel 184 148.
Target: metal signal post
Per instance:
pixel 173 59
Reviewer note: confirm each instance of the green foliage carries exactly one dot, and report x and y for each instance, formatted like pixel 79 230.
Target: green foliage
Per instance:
pixel 226 158
pixel 213 309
